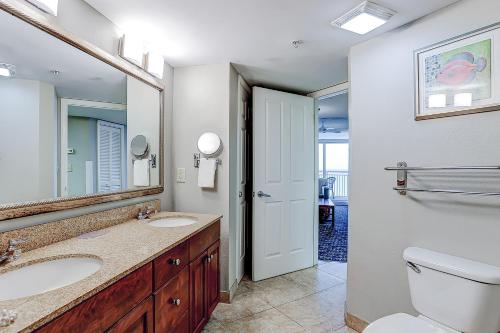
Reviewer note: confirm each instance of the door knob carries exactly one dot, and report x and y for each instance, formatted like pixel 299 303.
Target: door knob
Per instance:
pixel 261 194
pixel 240 194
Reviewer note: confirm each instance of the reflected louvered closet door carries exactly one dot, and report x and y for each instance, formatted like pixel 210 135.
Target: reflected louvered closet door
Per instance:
pixel 109 156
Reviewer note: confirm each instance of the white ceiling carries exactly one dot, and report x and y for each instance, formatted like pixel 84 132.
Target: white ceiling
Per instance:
pixel 35 54
pixel 333 107
pixel 256 35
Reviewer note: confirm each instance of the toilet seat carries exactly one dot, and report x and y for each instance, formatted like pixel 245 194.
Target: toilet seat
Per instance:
pixel 403 323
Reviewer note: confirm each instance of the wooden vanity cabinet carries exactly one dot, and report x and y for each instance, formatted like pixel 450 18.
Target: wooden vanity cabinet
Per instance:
pixel 139 320
pixel 175 293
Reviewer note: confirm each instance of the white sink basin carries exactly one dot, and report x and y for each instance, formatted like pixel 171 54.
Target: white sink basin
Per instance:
pixel 45 276
pixel 172 222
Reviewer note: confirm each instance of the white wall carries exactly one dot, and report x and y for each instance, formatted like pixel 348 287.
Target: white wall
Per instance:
pixel 79 18
pixel 383 131
pixel 27 143
pixel 201 104
pixel 143 113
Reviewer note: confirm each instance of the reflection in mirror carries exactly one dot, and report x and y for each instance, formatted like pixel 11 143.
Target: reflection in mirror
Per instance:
pixel 67 120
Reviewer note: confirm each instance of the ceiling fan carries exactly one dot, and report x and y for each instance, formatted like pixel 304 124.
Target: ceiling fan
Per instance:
pixel 324 129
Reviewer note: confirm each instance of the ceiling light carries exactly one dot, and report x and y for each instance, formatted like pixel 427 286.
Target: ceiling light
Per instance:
pixel 48 6
pixel 7 70
pixel 155 64
pixel 364 18
pixel 132 49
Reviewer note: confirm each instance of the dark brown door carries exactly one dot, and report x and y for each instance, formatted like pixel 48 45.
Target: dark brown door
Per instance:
pixel 139 320
pixel 213 277
pixel 172 303
pixel 198 280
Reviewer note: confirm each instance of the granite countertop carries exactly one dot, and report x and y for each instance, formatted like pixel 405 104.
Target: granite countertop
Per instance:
pixel 122 249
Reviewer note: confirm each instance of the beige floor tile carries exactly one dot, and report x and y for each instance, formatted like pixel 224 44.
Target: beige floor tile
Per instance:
pixel 314 279
pixel 269 321
pixel 276 291
pixel 336 269
pixel 243 305
pixel 323 311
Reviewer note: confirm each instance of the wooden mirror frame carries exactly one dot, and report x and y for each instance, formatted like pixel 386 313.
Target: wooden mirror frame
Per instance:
pixel 35 18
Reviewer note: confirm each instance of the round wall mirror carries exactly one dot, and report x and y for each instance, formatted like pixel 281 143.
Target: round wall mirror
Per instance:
pixel 139 146
pixel 209 144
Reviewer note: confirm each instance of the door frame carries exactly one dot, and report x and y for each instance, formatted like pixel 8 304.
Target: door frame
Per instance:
pixel 335 90
pixel 241 84
pixel 65 103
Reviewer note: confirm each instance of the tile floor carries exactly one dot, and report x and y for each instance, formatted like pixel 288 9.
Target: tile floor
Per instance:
pixel 311 300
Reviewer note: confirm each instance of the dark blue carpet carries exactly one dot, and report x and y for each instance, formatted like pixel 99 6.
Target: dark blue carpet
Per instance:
pixel 333 245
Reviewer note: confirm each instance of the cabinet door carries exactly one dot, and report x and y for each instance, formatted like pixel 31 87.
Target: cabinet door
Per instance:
pixel 213 290
pixel 139 320
pixel 198 280
pixel 172 302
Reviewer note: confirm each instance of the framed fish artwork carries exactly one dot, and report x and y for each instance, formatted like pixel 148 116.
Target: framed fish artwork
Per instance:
pixel 459 76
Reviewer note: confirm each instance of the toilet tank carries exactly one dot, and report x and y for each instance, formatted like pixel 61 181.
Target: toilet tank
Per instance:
pixel 456 292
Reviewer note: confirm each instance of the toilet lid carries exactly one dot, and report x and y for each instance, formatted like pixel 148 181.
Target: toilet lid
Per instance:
pixel 402 322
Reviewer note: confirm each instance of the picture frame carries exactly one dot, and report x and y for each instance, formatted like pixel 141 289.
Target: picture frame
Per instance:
pixel 458 76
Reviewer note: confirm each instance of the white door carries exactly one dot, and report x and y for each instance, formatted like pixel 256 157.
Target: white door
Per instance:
pixel 242 176
pixel 110 156
pixel 283 183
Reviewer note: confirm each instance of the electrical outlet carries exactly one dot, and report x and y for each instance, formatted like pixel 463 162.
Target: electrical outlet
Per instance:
pixel 181 175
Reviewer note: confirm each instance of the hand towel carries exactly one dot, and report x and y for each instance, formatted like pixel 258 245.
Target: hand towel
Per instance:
pixel 206 173
pixel 141 172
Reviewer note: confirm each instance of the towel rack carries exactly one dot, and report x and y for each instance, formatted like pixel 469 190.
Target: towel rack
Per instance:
pixel 402 169
pixel 196 162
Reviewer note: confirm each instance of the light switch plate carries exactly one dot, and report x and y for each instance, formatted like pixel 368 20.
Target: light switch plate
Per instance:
pixel 181 175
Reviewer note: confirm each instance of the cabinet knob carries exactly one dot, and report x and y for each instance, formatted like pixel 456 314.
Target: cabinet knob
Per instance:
pixel 210 257
pixel 175 262
pixel 176 301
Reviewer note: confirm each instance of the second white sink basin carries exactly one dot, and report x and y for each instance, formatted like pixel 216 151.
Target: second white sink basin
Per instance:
pixel 172 222
pixel 46 276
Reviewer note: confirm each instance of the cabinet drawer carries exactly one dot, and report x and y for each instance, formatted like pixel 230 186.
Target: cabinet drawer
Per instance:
pixel 169 264
pixel 168 313
pixel 202 240
pixel 100 312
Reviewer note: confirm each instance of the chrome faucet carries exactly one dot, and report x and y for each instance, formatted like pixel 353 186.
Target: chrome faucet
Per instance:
pixel 146 213
pixel 13 252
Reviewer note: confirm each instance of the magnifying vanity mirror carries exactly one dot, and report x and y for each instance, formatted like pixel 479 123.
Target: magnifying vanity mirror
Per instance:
pixel 139 146
pixel 209 144
pixel 72 122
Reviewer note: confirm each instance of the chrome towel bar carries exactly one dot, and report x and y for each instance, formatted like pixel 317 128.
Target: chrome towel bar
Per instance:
pixel 431 190
pixel 407 168
pixel 402 179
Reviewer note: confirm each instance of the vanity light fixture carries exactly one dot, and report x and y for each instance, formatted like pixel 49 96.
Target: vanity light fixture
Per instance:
pixel 48 6
pixel 155 64
pixel 132 49
pixel 7 70
pixel 364 18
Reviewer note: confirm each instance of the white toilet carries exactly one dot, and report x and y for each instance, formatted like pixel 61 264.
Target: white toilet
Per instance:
pixel 451 294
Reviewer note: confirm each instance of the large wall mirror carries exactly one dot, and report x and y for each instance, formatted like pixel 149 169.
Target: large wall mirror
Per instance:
pixel 67 121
